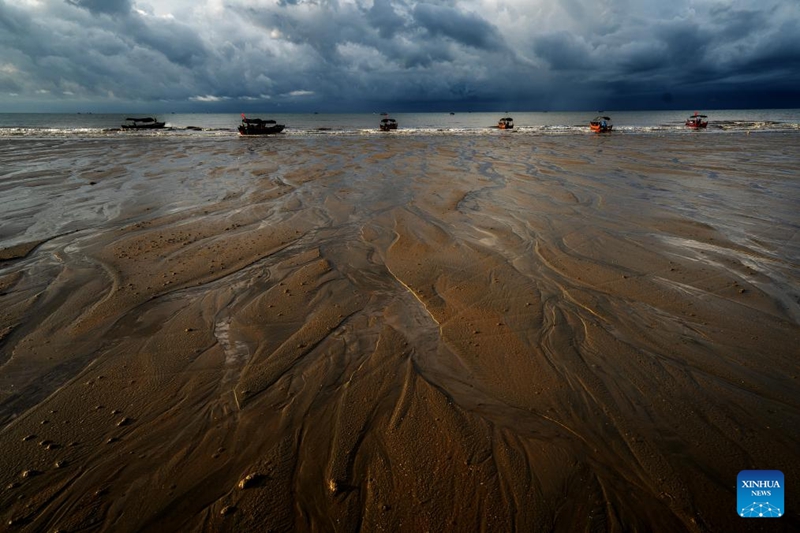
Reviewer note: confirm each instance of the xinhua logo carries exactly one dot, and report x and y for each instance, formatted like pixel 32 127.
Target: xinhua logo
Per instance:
pixel 759 494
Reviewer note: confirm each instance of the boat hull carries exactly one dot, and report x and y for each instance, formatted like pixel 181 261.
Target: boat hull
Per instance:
pixel 599 128
pixel 152 126
pixel 260 130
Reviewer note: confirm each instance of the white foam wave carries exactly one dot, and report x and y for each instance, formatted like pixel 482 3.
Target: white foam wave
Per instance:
pixel 565 129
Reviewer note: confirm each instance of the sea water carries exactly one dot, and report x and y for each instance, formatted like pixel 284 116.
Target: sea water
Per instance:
pixel 304 124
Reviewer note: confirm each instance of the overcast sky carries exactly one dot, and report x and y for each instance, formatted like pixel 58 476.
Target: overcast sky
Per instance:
pixel 403 55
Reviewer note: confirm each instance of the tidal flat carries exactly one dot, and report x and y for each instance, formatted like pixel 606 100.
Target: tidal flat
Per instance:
pixel 398 333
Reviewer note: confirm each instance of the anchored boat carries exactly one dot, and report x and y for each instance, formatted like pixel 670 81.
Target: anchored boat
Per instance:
pixel 257 126
pixel 145 123
pixel 697 121
pixel 506 123
pixel 601 124
pixel 388 124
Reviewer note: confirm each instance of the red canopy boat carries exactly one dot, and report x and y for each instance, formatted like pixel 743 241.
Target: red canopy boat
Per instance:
pixel 601 124
pixel 697 121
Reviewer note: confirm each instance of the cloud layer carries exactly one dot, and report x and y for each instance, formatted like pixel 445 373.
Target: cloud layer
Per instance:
pixel 365 55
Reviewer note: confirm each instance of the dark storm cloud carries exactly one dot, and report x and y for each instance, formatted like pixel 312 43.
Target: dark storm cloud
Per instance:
pixel 683 43
pixel 320 28
pixel 466 28
pixel 178 43
pixel 673 60
pixel 563 51
pixel 734 23
pixel 773 49
pixel 330 54
pixel 12 21
pixel 123 57
pixel 109 7
pixel 384 17
pixel 361 52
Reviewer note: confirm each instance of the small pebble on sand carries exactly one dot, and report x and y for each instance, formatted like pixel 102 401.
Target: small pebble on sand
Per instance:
pixel 248 481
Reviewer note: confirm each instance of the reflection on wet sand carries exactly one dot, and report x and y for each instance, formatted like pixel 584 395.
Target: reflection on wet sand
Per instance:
pixel 401 334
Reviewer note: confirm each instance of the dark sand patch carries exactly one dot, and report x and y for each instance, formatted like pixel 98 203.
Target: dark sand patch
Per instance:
pixel 18 251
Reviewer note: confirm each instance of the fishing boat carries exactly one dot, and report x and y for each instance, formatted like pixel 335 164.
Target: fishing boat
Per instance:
pixel 506 123
pixel 697 121
pixel 388 124
pixel 601 124
pixel 144 123
pixel 257 126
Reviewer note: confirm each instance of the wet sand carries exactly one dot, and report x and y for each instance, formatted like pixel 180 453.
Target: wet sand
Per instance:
pixel 443 333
